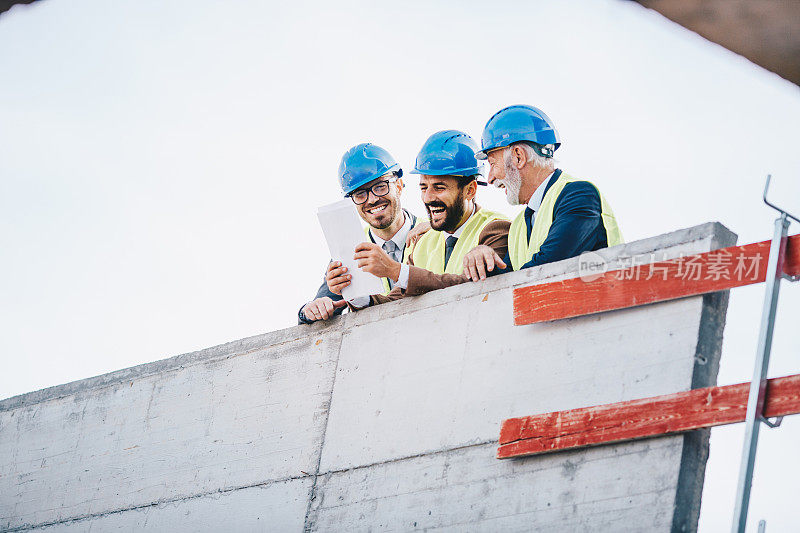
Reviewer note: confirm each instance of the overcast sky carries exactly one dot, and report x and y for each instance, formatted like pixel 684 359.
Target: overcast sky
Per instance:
pixel 161 164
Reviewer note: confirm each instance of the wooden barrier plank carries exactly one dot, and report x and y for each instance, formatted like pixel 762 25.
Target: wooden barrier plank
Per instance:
pixel 791 263
pixel 652 282
pixel 647 417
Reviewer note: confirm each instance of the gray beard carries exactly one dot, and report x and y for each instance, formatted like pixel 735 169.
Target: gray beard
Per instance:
pixel 513 183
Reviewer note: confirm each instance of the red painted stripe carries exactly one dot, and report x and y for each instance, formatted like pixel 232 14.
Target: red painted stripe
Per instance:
pixel 717 270
pixel 661 415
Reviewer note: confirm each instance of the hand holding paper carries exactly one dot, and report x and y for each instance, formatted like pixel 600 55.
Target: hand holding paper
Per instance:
pixel 343 232
pixel 371 258
pixel 337 277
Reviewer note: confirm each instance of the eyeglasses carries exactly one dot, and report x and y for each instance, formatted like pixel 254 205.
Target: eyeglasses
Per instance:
pixel 381 188
pixel 496 149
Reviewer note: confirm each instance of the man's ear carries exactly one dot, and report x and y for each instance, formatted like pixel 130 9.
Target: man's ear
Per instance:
pixel 518 156
pixel 399 184
pixel 471 190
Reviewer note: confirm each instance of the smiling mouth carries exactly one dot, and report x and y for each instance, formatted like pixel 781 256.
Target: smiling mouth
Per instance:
pixel 377 210
pixel 436 211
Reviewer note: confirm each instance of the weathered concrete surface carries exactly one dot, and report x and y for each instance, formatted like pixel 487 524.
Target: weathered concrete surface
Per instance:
pixel 220 424
pixel 468 489
pixel 383 419
pixel 278 506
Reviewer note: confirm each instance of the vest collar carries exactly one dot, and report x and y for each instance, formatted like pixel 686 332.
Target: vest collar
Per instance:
pixel 538 195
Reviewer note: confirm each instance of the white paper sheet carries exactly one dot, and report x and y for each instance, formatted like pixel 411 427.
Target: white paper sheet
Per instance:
pixel 343 231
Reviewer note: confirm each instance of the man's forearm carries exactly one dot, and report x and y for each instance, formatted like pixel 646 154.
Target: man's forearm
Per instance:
pixel 421 281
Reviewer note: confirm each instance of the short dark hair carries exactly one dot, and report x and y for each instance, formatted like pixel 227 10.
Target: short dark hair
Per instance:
pixel 463 181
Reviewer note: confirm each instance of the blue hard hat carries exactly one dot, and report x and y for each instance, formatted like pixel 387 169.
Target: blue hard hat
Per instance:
pixel 518 123
pixel 448 153
pixel 363 163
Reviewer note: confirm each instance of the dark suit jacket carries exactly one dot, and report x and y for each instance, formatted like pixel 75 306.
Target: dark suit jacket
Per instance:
pixel 577 225
pixel 325 291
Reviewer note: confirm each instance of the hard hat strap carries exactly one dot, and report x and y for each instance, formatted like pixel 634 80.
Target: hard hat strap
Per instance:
pixel 544 150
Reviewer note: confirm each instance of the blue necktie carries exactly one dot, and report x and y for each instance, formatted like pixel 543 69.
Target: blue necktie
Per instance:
pixel 449 244
pixel 529 221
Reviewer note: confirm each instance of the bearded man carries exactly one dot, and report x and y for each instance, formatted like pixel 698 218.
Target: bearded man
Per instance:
pixel 563 217
pixel 449 173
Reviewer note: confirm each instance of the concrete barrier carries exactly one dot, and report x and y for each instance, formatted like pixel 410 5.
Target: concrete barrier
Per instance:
pixel 386 419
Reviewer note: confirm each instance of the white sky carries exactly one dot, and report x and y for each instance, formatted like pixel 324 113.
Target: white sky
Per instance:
pixel 161 164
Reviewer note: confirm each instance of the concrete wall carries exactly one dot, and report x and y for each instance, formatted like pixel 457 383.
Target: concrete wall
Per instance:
pixel 386 419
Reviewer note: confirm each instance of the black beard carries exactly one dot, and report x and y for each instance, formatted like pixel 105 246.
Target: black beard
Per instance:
pixel 452 215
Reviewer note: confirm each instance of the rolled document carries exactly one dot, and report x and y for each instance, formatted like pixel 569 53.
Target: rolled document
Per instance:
pixel 343 231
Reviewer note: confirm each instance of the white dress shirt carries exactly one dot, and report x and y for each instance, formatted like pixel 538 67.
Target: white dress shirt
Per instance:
pixel 538 195
pixel 398 238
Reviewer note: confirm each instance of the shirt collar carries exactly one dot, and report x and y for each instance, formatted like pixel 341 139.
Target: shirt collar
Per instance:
pixel 538 195
pixel 398 238
pixel 457 233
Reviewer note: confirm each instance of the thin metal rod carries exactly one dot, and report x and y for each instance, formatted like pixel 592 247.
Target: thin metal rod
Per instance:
pixel 773 206
pixel 755 401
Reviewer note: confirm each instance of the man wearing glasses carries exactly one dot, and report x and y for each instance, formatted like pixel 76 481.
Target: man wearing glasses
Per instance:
pixel 371 178
pixel 449 174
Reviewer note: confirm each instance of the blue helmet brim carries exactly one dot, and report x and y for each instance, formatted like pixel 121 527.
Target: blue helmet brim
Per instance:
pixel 366 179
pixel 462 172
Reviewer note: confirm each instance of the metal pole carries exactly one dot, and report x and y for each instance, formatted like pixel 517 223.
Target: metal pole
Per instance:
pixel 755 401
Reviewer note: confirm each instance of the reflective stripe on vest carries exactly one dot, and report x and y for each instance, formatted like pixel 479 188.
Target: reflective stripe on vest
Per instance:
pixel 429 250
pixel 406 253
pixel 521 252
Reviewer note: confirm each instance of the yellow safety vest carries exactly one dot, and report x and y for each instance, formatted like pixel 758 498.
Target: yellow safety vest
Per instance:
pixel 429 250
pixel 521 251
pixel 406 254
